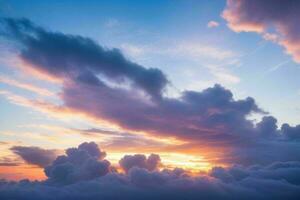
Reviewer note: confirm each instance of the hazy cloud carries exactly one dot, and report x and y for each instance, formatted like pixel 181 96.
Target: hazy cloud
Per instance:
pixel 212 24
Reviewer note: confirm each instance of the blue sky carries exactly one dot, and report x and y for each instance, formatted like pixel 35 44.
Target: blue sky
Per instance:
pixel 173 99
pixel 173 36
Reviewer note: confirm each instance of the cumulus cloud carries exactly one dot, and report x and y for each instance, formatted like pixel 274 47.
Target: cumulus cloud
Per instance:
pixel 276 181
pixel 83 163
pixel 275 20
pixel 291 132
pixel 139 160
pixel 35 155
pixel 103 84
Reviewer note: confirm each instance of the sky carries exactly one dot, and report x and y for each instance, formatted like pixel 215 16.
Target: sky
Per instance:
pixel 129 95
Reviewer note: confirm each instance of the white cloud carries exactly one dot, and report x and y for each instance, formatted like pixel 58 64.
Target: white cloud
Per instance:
pixel 212 24
pixel 216 60
pixel 186 49
pixel 279 65
pixel 27 86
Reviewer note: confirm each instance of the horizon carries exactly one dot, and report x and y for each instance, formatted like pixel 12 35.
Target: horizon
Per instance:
pixel 147 98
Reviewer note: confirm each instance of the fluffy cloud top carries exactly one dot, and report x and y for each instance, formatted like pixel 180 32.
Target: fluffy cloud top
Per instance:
pixel 276 20
pixel 138 160
pixel 279 180
pixel 82 163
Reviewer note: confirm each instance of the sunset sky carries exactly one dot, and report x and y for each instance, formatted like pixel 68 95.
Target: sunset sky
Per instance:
pixel 203 86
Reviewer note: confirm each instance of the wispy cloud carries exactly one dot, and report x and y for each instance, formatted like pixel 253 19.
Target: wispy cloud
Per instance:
pixel 26 86
pixel 111 23
pixel 186 49
pixel 276 67
pixel 212 24
pixel 217 60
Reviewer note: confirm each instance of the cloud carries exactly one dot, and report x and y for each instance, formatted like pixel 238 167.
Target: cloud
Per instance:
pixel 279 180
pixel 193 115
pixel 291 132
pixel 286 171
pixel 104 85
pixel 26 86
pixel 138 160
pixel 275 20
pixel 212 24
pixel 76 57
pixel 35 155
pixel 128 142
pixel 215 59
pixel 83 163
pixel 7 161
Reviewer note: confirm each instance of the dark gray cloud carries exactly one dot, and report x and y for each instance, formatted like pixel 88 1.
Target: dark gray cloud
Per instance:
pixel 35 155
pixel 291 132
pixel 279 180
pixel 267 127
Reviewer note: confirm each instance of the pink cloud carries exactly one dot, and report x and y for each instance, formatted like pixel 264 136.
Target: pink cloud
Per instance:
pixel 212 24
pixel 264 16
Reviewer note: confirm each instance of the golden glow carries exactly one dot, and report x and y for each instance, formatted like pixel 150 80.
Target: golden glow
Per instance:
pixel 22 172
pixel 26 86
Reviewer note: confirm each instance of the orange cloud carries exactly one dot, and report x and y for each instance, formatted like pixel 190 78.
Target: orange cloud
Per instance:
pixel 26 86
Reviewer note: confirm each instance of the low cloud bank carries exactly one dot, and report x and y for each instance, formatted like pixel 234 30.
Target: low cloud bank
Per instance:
pixel 83 173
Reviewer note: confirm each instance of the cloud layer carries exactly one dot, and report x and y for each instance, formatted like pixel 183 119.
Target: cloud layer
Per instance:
pixel 89 178
pixel 103 84
pixel 276 20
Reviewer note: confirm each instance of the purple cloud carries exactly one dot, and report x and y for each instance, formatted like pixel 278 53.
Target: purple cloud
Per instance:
pixel 35 155
pixel 80 58
pixel 279 180
pixel 138 160
pixel 83 163
pixel 211 118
